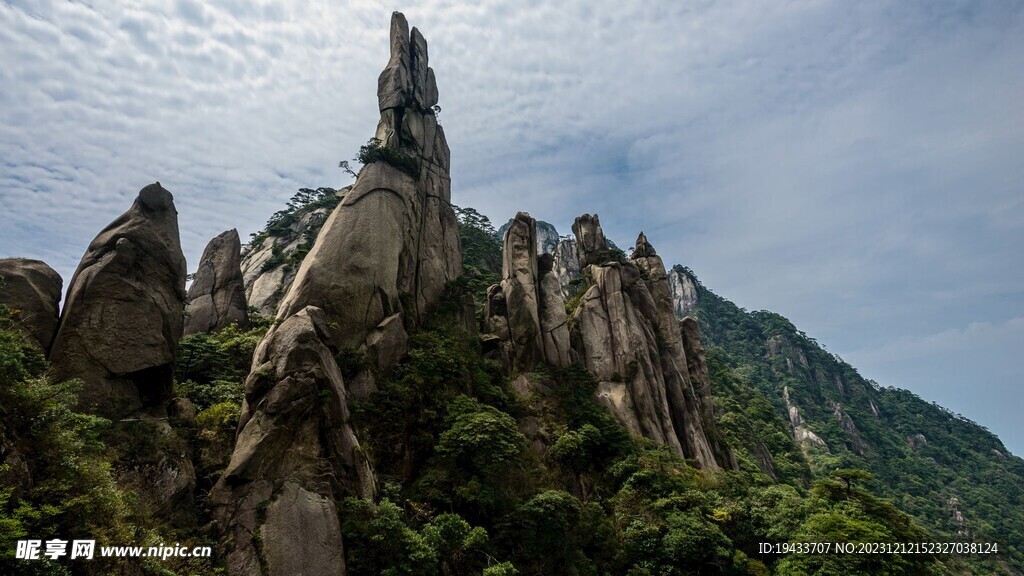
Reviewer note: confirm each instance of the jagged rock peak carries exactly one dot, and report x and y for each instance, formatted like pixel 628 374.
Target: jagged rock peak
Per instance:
pixel 643 248
pixel 526 312
pixel 590 240
pixel 217 295
pixel 378 266
pixel 123 313
pixel 392 243
pixel 32 290
pixel 625 331
pixel 407 81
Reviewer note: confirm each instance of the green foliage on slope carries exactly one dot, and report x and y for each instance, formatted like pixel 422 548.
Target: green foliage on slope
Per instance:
pixel 60 479
pixel 928 461
pixel 481 252
pixel 454 443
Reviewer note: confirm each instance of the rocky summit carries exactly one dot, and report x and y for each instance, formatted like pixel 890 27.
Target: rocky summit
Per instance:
pixel 379 265
pixel 626 334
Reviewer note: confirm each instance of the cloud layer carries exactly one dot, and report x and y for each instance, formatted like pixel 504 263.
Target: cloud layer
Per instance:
pixel 853 166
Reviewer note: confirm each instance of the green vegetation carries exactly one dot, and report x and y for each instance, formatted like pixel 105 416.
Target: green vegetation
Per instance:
pixel 481 252
pixel 279 226
pixel 452 442
pixel 375 151
pixel 59 476
pixel 923 457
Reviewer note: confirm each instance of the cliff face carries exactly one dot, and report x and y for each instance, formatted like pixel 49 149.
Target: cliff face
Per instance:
pixel 684 292
pixel 547 236
pixel 379 264
pixel 625 332
pixel 122 318
pixel 567 266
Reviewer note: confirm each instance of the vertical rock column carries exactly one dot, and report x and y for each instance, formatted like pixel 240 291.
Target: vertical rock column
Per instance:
pixel 217 295
pixel 625 332
pixel 696 364
pixel 379 264
pixel 526 311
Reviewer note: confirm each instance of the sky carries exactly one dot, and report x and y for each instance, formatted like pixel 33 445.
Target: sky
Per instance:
pixel 855 166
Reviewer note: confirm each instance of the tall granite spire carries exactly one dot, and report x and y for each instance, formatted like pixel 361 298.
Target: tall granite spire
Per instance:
pixel 379 264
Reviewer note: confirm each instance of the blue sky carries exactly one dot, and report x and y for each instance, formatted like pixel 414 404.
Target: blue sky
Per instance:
pixel 855 166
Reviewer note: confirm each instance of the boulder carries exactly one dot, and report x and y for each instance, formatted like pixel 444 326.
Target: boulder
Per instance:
pixel 32 290
pixel 123 313
pixel 217 295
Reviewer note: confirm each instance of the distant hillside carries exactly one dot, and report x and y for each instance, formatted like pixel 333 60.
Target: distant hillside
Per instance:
pixel 951 474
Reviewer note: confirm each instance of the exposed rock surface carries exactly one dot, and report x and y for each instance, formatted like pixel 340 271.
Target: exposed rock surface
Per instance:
pixel 856 443
pixel 379 264
pixel 295 456
pixel 266 268
pixel 684 292
pixel 547 236
pixel 32 290
pixel 591 244
pixel 392 244
pixel 122 318
pixel 567 266
pixel 803 435
pixel 696 364
pixel 626 333
pixel 526 312
pixel 217 295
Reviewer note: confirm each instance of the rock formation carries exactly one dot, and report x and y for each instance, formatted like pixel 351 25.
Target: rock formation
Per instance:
pixel 803 435
pixel 379 264
pixel 217 295
pixel 696 365
pixel 566 266
pixel 547 236
pixel 526 312
pixel 268 267
pixel 591 245
pixel 626 333
pixel 32 290
pixel 392 243
pixel 295 456
pixel 122 317
pixel 684 292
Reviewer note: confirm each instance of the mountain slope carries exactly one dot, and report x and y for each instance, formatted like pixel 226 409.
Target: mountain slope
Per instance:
pixel 951 474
